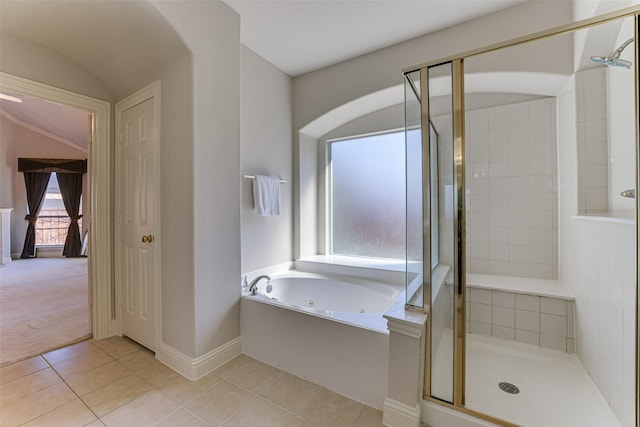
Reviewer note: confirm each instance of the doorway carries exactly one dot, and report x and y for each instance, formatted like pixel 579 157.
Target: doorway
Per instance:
pixel 98 212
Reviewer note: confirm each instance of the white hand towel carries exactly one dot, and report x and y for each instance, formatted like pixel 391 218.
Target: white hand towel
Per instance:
pixel 266 195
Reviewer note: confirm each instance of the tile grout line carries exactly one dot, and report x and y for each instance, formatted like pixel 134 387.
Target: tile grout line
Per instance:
pixel 69 387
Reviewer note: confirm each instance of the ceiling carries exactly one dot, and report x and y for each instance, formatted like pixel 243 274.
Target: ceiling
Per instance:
pixel 299 36
pixel 67 125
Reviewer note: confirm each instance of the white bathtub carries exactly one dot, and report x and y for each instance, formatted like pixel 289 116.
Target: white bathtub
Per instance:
pixel 326 328
pixel 344 299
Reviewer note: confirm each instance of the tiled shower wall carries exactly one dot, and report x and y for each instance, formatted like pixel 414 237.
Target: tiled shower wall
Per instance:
pixel 511 186
pixel 591 139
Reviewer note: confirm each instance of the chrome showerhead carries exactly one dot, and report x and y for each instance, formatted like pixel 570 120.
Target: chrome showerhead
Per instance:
pixel 614 58
pixel 608 60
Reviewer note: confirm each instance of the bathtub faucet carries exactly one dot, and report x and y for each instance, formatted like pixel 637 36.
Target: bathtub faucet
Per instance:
pixel 253 286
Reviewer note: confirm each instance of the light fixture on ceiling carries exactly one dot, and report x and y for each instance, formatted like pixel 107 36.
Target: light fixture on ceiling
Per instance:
pixel 10 98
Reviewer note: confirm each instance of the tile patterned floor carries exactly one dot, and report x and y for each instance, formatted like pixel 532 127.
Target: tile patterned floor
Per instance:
pixel 116 382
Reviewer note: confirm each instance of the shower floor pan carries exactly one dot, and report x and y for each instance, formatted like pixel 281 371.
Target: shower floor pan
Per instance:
pixel 554 389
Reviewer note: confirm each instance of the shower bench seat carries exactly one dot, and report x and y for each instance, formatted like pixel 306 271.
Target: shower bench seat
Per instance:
pixel 533 311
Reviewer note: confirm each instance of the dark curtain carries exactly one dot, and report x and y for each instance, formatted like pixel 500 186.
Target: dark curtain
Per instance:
pixel 36 183
pixel 71 191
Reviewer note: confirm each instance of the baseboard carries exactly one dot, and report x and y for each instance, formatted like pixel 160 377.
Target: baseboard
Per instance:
pixel 195 368
pixel 397 414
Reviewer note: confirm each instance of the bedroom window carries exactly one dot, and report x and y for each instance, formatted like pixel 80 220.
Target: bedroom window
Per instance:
pixel 366 203
pixel 53 221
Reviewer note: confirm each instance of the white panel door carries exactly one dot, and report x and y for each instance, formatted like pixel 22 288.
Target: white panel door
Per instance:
pixel 138 221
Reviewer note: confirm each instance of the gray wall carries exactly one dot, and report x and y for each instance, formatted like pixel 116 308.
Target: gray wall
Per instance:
pixel 266 141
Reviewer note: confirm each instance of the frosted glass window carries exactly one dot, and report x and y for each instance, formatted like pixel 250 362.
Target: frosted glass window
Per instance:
pixel 368 196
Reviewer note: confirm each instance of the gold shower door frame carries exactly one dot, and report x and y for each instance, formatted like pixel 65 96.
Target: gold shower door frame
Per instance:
pixel 459 331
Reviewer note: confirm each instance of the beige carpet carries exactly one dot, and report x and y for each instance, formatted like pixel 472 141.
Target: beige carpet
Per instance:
pixel 43 306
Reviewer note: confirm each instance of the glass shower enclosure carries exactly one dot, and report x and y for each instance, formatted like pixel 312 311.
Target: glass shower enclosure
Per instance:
pixel 523 172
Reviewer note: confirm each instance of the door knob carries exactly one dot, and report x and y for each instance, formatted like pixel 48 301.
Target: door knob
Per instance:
pixel 147 239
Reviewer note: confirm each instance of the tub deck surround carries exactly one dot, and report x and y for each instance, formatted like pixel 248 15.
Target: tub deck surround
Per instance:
pixel 349 360
pixel 339 347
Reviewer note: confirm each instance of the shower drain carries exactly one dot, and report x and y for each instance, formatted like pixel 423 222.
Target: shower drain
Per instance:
pixel 509 388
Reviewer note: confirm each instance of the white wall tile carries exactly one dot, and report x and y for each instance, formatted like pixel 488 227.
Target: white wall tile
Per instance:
pixel 482 266
pixel 499 202
pixel 499 150
pixel 502 316
pixel 544 271
pixel 519 219
pixel 479 186
pixel 597 175
pixel 480 328
pixel 520 167
pixel 519 236
pixel 519 185
pixel 553 342
pixel 542 202
pixel 540 218
pixel 499 218
pixel 482 296
pixel 503 332
pixel 480 234
pixel 553 306
pixel 527 337
pixel 541 183
pixel 571 346
pixel 499 252
pixel 518 114
pixel 541 254
pixel 541 236
pixel 595 131
pixel 596 153
pixel 595 108
pixel 500 268
pixel 499 185
pixel 499 168
pixel 480 313
pixel 541 111
pixel 571 319
pixel 520 269
pixel 527 302
pixel 497 117
pixel 528 320
pixel 551 324
pixel 478 250
pixel 519 253
pixel 503 299
pixel 521 146
pixel 499 235
pixel 541 166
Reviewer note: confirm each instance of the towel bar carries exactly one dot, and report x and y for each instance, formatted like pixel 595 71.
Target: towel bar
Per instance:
pixel 282 181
